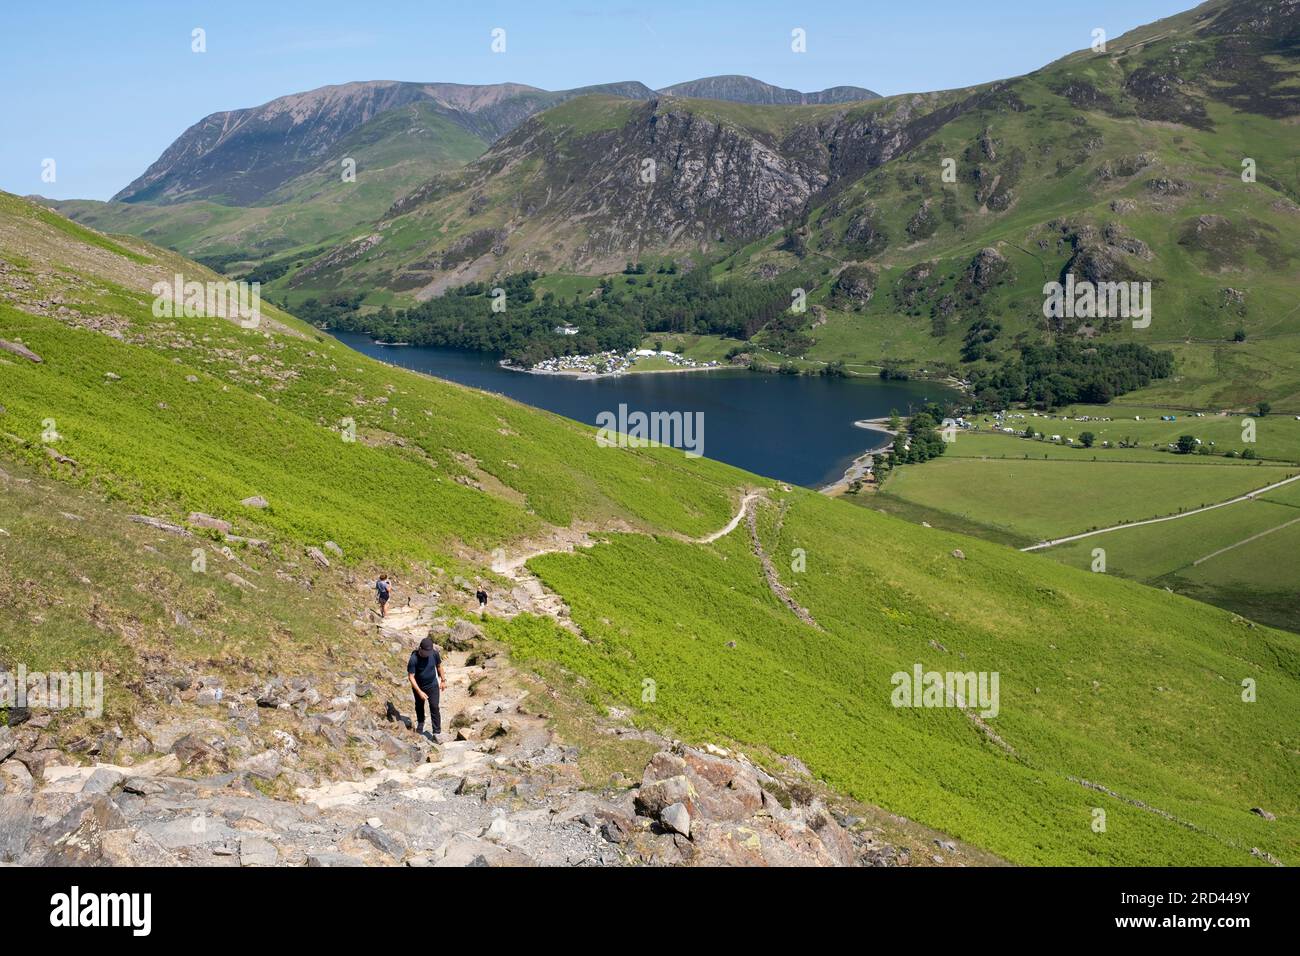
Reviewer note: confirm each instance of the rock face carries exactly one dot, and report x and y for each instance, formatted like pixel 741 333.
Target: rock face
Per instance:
pixel 244 155
pixel 854 287
pixel 667 174
pixel 987 269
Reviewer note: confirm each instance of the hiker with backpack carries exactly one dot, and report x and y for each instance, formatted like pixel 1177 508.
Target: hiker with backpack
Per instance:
pixel 424 671
pixel 383 590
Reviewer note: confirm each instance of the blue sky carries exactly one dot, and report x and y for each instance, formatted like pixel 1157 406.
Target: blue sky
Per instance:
pixel 104 87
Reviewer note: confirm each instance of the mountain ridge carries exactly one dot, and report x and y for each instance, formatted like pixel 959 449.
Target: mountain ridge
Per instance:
pixel 222 155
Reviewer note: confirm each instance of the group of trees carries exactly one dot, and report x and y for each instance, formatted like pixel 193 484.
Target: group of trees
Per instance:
pixel 918 442
pixel 614 319
pixel 1050 375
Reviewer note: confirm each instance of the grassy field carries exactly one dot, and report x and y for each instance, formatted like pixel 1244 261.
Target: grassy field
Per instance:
pixel 1239 557
pixel 1054 498
pixel 1275 436
pixel 701 348
pixel 994 445
pixel 80 582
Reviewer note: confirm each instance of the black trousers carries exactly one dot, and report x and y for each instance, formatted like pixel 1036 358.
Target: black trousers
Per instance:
pixel 435 715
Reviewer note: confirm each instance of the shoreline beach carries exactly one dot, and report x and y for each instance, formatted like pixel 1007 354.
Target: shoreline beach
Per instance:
pixel 863 463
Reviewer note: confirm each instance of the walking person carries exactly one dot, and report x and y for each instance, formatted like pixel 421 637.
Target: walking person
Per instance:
pixel 482 599
pixel 383 591
pixel 424 671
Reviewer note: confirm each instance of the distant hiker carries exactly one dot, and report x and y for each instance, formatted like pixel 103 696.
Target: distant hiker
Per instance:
pixel 383 590
pixel 424 671
pixel 482 597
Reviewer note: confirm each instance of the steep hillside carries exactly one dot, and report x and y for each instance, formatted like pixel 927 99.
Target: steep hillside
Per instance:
pixel 616 566
pixel 1123 166
pixel 390 154
pixel 595 182
pixel 240 157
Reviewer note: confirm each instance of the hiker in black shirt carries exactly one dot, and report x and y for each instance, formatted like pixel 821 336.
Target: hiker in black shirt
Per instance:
pixel 481 594
pixel 424 671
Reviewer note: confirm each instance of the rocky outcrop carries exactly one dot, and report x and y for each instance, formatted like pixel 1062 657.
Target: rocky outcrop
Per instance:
pixel 202 779
pixel 988 268
pixel 854 287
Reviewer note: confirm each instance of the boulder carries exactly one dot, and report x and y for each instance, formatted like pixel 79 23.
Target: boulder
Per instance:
pixel 256 851
pixel 386 842
pixel 503 830
pixel 462 636
pixel 256 501
pixel 657 795
pixel 265 765
pixel 198 519
pixel 463 850
pixel 193 749
pixel 16 816
pixel 81 833
pixel 676 818
pixel 22 351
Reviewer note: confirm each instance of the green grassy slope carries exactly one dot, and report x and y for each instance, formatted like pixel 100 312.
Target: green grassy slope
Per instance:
pixel 442 474
pixel 1101 680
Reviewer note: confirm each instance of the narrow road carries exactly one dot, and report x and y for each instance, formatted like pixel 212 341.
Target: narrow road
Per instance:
pixel 1185 514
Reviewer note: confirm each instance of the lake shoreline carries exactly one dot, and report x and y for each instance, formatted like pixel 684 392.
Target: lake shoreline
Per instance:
pixel 862 464
pixel 797 429
pixel 588 376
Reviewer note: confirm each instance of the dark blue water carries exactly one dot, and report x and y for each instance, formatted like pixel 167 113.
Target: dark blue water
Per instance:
pixel 798 428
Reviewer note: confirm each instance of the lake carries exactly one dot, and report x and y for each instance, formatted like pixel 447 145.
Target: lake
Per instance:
pixel 797 428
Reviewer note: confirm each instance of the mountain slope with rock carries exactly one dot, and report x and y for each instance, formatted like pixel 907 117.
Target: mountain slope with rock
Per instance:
pixel 195 506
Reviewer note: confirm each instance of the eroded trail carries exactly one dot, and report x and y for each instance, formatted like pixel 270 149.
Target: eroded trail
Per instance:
pixel 530 594
pixel 769 570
